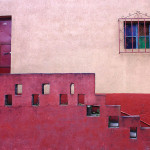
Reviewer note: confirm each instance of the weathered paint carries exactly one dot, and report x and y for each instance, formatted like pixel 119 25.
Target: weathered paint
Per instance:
pixel 62 127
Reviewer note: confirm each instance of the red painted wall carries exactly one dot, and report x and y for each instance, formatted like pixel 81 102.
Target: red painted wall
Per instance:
pixel 4 69
pixel 62 127
pixel 133 104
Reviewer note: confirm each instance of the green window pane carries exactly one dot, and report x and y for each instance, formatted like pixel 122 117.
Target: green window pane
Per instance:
pixel 142 42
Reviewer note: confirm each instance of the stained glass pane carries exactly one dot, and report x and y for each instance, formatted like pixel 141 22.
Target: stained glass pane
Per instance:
pixel 129 29
pixel 129 43
pixel 141 29
pixel 142 42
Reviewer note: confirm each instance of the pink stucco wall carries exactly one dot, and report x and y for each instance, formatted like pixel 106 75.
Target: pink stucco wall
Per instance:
pixel 77 36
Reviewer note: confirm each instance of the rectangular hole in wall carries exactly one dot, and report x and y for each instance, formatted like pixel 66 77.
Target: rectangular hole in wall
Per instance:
pixel 63 99
pixel 18 89
pixel 46 88
pixel 35 99
pixel 72 88
pixel 113 121
pixel 8 100
pixel 133 132
pixel 93 110
pixel 80 99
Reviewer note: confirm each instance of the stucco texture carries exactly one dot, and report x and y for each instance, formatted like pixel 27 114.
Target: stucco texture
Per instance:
pixel 73 36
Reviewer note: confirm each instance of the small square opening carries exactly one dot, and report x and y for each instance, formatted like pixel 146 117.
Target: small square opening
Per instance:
pixel 35 99
pixel 93 110
pixel 63 99
pixel 46 88
pixel 113 122
pixel 8 100
pixel 18 89
pixel 80 99
pixel 133 132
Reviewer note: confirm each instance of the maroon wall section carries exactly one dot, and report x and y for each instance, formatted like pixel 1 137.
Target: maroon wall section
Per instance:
pixel 133 104
pixel 51 126
pixel 59 84
pixel 4 69
pixel 65 128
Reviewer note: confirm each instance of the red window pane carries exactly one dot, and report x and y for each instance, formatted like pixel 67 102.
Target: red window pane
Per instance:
pixel 63 99
pixel 8 99
pixel 35 99
pixel 81 99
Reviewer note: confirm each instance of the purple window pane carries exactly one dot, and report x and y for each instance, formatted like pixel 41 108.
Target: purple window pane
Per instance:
pixel 129 42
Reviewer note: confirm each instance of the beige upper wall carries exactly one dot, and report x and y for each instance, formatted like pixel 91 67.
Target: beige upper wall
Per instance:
pixel 78 36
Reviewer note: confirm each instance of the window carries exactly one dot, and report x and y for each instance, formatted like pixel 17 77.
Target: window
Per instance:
pixel 18 89
pixel 113 121
pixel 136 34
pixel 80 99
pixel 45 88
pixel 93 110
pixel 72 88
pixel 35 99
pixel 8 100
pixel 133 132
pixel 63 99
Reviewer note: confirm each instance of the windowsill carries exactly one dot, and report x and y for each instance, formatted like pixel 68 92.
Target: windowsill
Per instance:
pixel 113 127
pixel 81 104
pixel 19 95
pixel 96 115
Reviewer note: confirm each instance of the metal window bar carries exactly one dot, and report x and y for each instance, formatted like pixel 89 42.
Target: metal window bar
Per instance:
pixel 145 35
pixel 125 35
pixel 133 18
pixel 137 36
pixel 149 34
pixel 119 34
pixel 132 33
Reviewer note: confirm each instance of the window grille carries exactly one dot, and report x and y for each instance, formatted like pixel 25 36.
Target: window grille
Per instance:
pixel 134 33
